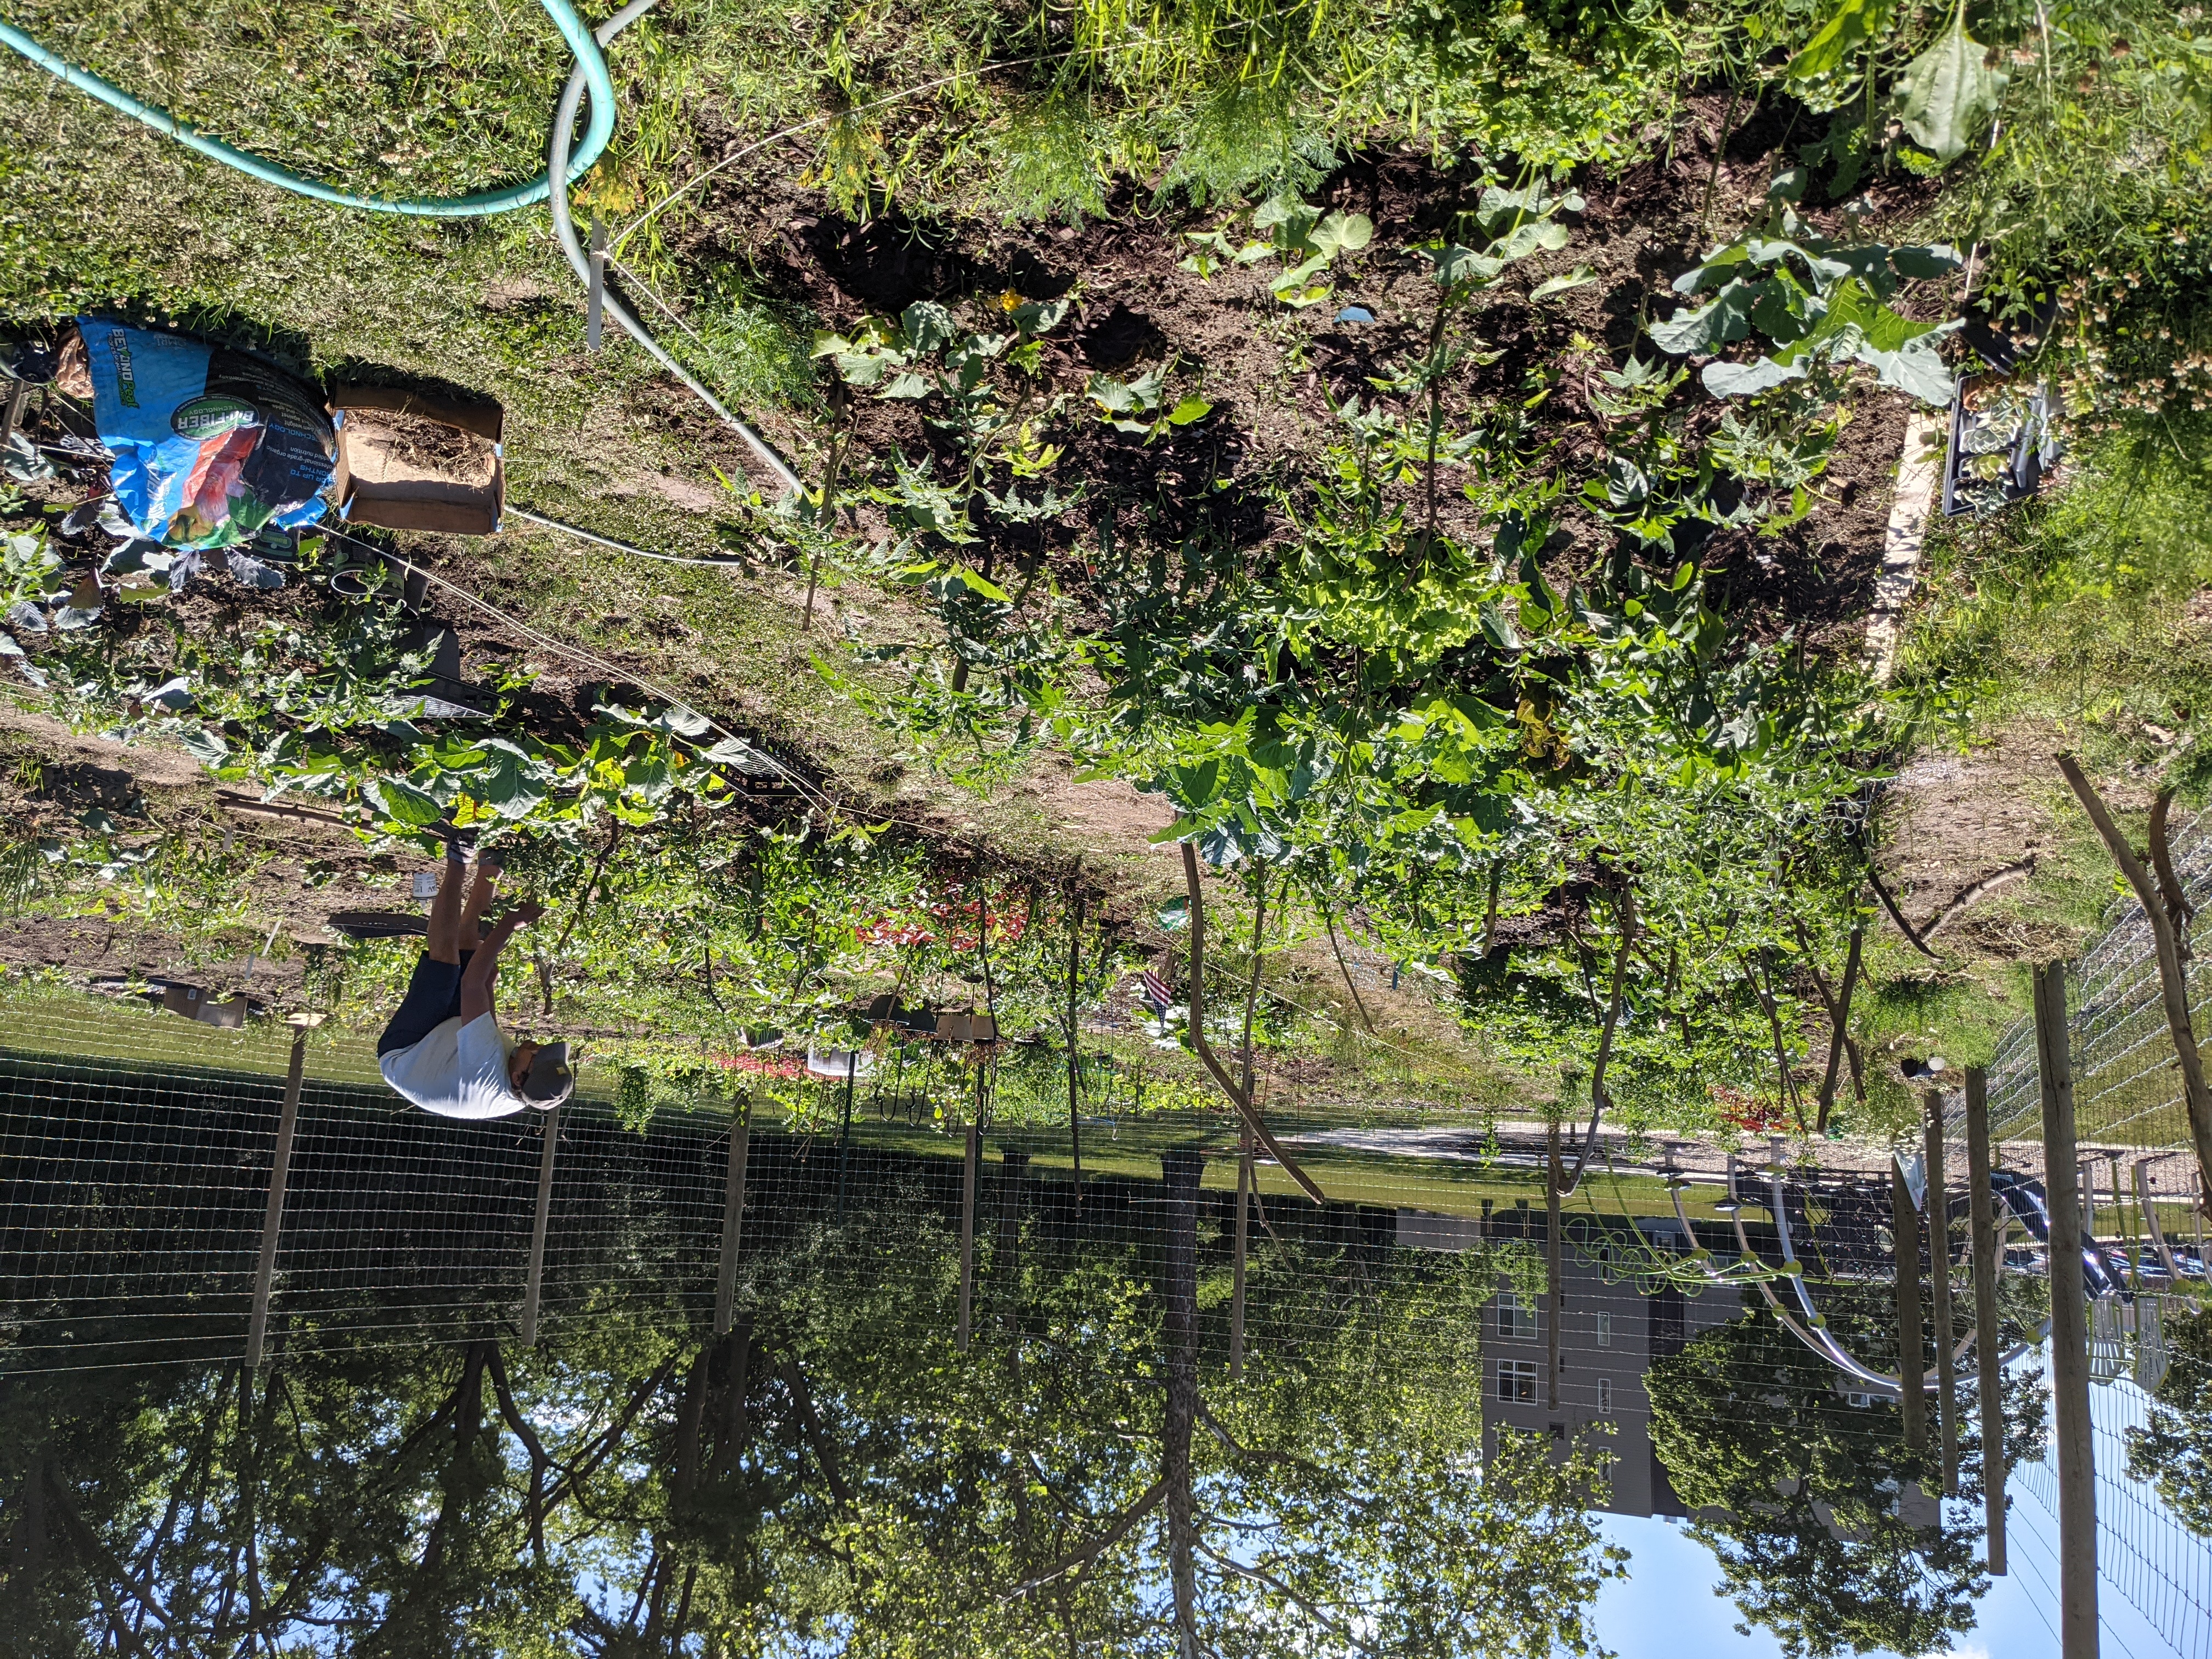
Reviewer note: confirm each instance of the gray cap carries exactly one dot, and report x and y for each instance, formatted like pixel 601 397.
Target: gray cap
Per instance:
pixel 551 1080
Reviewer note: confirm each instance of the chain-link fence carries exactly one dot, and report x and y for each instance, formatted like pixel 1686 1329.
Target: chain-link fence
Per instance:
pixel 2127 1088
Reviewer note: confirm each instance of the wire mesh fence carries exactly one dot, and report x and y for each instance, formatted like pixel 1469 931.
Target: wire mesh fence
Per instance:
pixel 138 1160
pixel 2127 1089
pixel 137 1163
pixel 2145 1551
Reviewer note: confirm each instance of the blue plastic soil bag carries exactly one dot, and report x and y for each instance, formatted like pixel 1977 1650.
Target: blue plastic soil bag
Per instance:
pixel 210 444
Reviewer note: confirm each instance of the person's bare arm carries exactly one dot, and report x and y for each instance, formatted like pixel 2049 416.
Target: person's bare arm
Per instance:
pixel 480 983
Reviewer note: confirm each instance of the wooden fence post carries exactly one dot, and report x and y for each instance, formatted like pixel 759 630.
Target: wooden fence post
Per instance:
pixel 969 1171
pixel 1243 1239
pixel 1990 1378
pixel 733 1211
pixel 1555 1292
pixel 2069 1336
pixel 272 1219
pixel 550 1134
pixel 1936 1203
pixel 1912 1358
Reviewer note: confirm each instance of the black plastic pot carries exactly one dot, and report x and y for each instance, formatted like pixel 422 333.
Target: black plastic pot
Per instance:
pixel 2027 446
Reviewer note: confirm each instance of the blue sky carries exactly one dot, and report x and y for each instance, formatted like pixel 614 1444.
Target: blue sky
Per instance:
pixel 1666 1608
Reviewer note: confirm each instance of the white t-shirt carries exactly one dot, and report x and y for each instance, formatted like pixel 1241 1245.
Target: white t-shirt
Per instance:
pixel 460 1070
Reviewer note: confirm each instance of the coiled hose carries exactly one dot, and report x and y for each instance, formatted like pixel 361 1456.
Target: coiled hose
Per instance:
pixel 590 75
pixel 590 69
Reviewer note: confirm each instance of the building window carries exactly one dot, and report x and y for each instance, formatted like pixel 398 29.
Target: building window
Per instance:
pixel 1515 1320
pixel 1516 1382
pixel 1604 1390
pixel 1605 1330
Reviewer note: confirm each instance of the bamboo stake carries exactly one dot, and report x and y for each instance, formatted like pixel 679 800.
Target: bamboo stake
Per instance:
pixel 2069 1336
pixel 272 1220
pixel 1989 1377
pixel 1937 1205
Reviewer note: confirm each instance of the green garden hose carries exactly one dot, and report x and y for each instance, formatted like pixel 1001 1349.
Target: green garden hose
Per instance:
pixel 589 62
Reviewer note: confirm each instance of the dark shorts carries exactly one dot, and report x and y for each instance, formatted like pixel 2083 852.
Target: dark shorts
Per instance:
pixel 434 996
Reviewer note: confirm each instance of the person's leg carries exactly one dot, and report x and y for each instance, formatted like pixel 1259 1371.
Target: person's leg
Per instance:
pixel 469 927
pixel 444 944
pixel 433 997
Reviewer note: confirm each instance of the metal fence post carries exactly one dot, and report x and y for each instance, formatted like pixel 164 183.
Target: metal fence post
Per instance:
pixel 549 1134
pixel 2069 1336
pixel 1990 1377
pixel 272 1220
pixel 1937 1205
pixel 733 1211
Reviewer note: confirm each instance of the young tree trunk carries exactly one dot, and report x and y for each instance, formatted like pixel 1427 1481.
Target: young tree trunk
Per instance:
pixel 1554 1291
pixel 1839 1019
pixel 1199 1040
pixel 1180 1171
pixel 736 1428
pixel 691 1416
pixel 1599 1099
pixel 2162 910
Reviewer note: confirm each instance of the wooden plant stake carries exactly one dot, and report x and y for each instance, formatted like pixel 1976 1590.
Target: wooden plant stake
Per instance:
pixel 969 1169
pixel 549 1130
pixel 734 1214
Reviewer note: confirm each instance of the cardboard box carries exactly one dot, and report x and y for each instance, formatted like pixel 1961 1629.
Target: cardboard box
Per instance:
pixel 381 480
pixel 193 1003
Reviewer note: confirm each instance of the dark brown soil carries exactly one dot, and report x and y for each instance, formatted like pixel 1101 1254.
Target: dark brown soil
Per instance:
pixel 1272 373
pixel 428 448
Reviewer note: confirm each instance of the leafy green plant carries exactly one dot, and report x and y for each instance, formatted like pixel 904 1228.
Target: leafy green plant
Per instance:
pixel 1140 405
pixel 1304 240
pixel 1823 304
pixel 30 576
pixel 999 433
pixel 1945 94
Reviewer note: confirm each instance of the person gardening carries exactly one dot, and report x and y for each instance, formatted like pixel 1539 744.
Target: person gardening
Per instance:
pixel 443 1049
